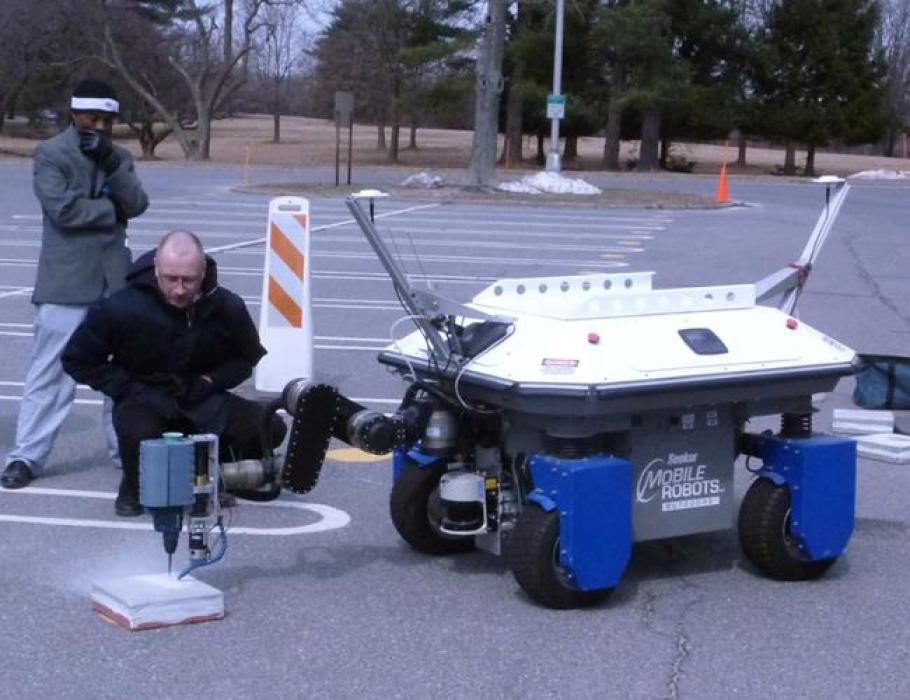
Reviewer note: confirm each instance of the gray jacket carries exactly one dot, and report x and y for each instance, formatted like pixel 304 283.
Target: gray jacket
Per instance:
pixel 84 254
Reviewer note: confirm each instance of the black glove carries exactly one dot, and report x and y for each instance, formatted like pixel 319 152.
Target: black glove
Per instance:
pixel 198 389
pixel 122 218
pixel 128 392
pixel 97 146
pixel 173 384
pixel 108 193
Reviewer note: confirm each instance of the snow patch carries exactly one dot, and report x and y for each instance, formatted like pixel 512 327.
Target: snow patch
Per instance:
pixel 423 181
pixel 549 183
pixel 881 175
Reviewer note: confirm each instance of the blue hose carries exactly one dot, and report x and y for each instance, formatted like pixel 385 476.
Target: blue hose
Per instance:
pixel 199 563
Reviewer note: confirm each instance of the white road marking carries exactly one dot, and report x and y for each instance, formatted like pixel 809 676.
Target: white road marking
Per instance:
pixel 329 518
pixel 317 346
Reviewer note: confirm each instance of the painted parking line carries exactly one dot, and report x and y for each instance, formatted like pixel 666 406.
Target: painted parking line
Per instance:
pixel 317 346
pixel 330 518
pixel 445 259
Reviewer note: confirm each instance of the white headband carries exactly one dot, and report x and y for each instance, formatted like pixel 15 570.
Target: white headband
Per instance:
pixel 95 104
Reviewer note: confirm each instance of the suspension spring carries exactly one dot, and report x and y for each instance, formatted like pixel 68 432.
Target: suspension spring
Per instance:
pixel 796 425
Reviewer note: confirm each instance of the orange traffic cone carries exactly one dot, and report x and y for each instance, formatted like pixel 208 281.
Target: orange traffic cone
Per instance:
pixel 722 197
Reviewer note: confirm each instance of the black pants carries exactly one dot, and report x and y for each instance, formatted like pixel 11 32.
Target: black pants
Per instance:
pixel 240 439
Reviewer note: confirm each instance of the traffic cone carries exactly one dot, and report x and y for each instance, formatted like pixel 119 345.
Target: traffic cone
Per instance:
pixel 722 197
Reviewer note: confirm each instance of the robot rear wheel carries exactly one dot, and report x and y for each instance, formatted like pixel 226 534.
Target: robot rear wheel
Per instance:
pixel 534 555
pixel 764 533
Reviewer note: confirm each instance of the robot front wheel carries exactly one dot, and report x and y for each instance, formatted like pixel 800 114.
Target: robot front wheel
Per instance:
pixel 764 533
pixel 416 511
pixel 534 554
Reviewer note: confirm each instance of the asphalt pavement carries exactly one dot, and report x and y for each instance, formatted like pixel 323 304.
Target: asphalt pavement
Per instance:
pixel 324 600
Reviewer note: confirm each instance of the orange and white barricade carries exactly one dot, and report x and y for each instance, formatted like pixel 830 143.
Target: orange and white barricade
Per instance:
pixel 286 319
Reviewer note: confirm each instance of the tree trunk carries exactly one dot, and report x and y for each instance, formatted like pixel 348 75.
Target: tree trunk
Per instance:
pixel 8 104
pixel 890 142
pixel 203 136
pixel 570 150
pixel 741 150
pixel 789 158
pixel 412 135
pixel 380 136
pixel 228 46
pixel 809 170
pixel 664 153
pixel 395 114
pixel 276 114
pixel 611 141
pixel 393 141
pixel 541 156
pixel 147 140
pixel 511 152
pixel 650 140
pixel 488 88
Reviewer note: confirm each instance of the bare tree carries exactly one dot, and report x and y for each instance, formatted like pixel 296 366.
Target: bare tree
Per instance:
pixel 37 38
pixel 203 50
pixel 277 52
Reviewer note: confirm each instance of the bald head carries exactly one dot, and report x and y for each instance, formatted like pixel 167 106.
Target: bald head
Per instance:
pixel 179 268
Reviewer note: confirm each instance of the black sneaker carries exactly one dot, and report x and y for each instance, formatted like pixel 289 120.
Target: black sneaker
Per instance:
pixel 16 475
pixel 127 503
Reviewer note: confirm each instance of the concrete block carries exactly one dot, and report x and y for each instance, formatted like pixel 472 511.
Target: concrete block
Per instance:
pixel 889 447
pixel 847 421
pixel 156 600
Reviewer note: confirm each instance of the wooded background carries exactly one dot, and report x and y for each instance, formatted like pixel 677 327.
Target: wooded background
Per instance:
pixel 799 73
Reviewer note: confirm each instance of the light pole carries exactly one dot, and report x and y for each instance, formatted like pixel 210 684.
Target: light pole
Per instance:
pixel 554 109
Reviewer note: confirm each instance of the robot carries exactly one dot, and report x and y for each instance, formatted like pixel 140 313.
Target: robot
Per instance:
pixel 559 420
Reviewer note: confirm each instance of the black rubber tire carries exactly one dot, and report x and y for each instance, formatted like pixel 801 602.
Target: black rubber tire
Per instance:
pixel 763 533
pixel 411 508
pixel 533 553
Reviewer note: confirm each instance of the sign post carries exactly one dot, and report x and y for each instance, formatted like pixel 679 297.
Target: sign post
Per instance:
pixel 553 164
pixel 344 118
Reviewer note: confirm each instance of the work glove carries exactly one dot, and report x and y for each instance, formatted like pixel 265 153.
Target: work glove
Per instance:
pixel 198 389
pixel 173 384
pixel 119 213
pixel 128 392
pixel 97 146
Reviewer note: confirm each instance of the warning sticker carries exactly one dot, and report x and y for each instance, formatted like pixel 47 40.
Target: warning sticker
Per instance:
pixel 558 365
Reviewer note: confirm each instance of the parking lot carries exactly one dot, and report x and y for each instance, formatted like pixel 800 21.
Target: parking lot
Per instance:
pixel 322 597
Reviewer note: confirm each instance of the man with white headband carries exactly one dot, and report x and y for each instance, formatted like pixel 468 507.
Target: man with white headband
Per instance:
pixel 88 191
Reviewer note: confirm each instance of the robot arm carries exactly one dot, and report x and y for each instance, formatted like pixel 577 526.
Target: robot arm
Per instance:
pixel 321 413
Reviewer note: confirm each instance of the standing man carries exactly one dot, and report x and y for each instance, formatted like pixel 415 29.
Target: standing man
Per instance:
pixel 88 191
pixel 167 349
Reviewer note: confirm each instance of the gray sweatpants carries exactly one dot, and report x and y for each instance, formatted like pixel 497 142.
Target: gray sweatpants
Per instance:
pixel 49 391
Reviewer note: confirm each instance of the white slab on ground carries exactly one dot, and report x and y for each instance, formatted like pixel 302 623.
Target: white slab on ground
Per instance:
pixel 848 421
pixel 156 600
pixel 889 447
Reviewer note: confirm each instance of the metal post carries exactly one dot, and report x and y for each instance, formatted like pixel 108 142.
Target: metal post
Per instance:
pixel 337 152
pixel 350 147
pixel 553 160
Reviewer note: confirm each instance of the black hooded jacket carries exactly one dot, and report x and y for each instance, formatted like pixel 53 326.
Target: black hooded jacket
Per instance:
pixel 134 345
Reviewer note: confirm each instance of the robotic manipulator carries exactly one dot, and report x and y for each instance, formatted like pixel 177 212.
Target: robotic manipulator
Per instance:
pixel 181 477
